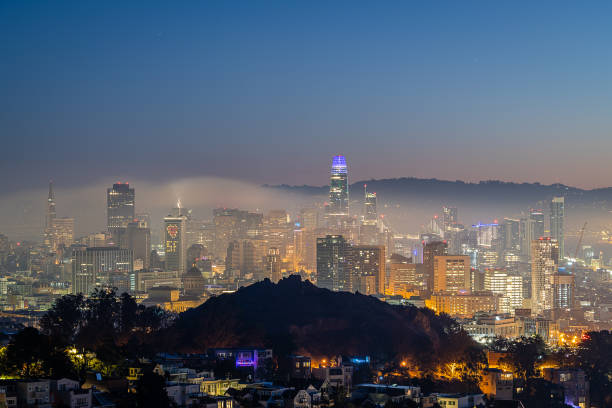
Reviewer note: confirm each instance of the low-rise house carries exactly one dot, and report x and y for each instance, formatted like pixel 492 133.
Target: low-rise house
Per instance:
pixel 497 384
pixel 574 382
pixel 460 400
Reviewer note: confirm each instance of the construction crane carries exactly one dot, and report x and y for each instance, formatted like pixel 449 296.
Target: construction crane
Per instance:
pixel 578 248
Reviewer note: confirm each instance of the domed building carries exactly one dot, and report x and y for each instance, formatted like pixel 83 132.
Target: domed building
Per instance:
pixel 193 282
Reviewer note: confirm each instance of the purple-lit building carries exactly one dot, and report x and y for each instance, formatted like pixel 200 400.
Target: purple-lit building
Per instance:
pixel 244 357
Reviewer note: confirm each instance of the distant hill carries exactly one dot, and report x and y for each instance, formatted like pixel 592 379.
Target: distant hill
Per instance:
pixel 491 190
pixel 410 202
pixel 295 316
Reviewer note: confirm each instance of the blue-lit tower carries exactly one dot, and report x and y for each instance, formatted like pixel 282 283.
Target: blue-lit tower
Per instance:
pixel 338 189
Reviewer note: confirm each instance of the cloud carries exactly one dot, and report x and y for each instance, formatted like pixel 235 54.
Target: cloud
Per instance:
pixel 22 214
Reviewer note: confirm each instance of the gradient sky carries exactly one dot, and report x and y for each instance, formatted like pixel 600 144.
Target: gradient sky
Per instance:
pixel 268 92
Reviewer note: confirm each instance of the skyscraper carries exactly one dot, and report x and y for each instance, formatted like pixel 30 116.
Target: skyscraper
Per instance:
pixel 370 216
pixel 538 223
pixel 451 273
pixel 338 189
pixel 332 272
pixel 449 217
pixel 119 207
pixel 557 216
pixel 175 245
pixel 50 218
pixel 544 265
pixel 366 269
pixel 431 250
pixel 273 265
pixel 91 266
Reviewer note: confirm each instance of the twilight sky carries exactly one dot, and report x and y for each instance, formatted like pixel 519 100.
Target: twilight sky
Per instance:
pixel 269 91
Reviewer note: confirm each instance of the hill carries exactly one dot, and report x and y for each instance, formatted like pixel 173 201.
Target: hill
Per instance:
pixel 295 316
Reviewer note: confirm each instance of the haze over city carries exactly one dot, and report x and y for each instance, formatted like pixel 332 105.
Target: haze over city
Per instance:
pixel 282 204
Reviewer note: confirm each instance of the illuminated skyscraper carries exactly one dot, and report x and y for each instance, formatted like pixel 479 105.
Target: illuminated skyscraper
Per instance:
pixel 431 250
pixel 175 243
pixel 92 266
pixel 119 207
pixel 50 218
pixel 449 217
pixel 338 189
pixel 366 269
pixel 452 273
pixel 332 271
pixel 538 223
pixel 370 216
pixel 273 265
pixel 544 265
pixel 557 216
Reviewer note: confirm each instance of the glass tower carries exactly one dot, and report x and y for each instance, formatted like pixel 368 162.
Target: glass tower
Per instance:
pixel 338 189
pixel 557 215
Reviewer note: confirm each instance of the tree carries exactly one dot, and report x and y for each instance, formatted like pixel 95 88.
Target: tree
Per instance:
pixel 151 391
pixel 31 354
pixel 595 358
pixel 523 354
pixel 64 320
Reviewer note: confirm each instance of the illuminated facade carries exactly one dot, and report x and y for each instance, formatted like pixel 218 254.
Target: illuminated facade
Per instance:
pixel 563 291
pixel 92 266
pixel 273 265
pixel 370 216
pixel 50 218
pixel 366 266
pixel 508 287
pixel 332 271
pixel 451 273
pixel 449 218
pixel 338 189
pixel 557 220
pixel 462 304
pixel 430 251
pixel 119 206
pixel 403 276
pixel 174 242
pixel 544 265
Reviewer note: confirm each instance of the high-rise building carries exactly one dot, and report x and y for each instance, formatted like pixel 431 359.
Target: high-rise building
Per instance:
pixel 175 243
pixel 538 222
pixel 544 265
pixel 370 216
pixel 332 271
pixel 50 218
pixel 119 207
pixel 557 217
pixel 512 231
pixel 449 217
pixel 403 276
pixel 509 287
pixel 273 265
pixel 366 269
pixel 93 266
pixel 338 189
pixel 137 238
pixel 527 233
pixel 430 251
pixel 452 273
pixel 63 231
pixel 563 291
pixel 233 224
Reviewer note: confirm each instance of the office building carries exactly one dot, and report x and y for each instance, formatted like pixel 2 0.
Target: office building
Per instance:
pixel 332 272
pixel 538 222
pixel 137 238
pixel 119 207
pixel 273 265
pixel 462 304
pixel 430 251
pixel 563 291
pixel 403 279
pixel 557 221
pixel 50 218
pixel 175 245
pixel 95 266
pixel 338 189
pixel 544 265
pixel 451 273
pixel 509 287
pixel 366 269
pixel 449 218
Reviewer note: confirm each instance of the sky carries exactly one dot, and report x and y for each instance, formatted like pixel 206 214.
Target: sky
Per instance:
pixel 267 92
